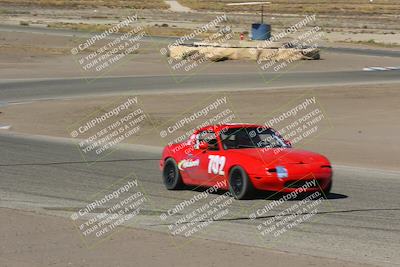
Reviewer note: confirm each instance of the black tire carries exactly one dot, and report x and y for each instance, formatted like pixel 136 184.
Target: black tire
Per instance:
pixel 240 185
pixel 327 190
pixel 171 176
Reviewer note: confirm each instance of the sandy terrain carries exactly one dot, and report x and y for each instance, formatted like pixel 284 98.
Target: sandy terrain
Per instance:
pixel 358 117
pixel 364 38
pixel 31 55
pixel 44 240
pixel 353 21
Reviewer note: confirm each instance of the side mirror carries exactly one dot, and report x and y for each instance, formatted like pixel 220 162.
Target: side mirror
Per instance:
pixel 203 146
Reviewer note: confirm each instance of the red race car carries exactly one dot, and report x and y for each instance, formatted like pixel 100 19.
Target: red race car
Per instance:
pixel 241 158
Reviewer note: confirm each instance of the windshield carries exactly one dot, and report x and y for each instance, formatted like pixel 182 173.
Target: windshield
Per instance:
pixel 251 137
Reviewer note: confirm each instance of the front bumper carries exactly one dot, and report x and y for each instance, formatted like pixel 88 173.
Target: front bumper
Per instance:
pixel 304 178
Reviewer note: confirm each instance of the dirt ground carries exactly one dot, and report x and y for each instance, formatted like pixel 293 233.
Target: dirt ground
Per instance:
pixel 357 118
pixel 348 16
pixel 354 22
pixel 30 55
pixel 31 239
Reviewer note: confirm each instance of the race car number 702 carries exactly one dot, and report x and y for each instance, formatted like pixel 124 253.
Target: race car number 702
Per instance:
pixel 216 164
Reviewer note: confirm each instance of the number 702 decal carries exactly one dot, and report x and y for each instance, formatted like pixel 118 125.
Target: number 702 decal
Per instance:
pixel 216 164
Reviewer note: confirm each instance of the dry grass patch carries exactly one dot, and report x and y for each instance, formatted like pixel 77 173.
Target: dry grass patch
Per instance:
pixel 150 30
pixel 134 4
pixel 346 7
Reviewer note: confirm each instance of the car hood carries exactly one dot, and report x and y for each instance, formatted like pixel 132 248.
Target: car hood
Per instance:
pixel 282 156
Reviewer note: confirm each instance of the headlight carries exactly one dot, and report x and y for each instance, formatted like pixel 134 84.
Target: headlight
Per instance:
pixel 282 172
pixel 279 170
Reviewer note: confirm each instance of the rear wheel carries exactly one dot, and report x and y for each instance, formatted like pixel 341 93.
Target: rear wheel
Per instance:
pixel 171 175
pixel 240 185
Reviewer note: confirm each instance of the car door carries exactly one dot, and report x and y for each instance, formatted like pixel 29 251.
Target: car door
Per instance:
pixel 213 159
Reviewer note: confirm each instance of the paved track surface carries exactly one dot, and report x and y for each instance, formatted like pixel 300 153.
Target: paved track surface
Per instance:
pixel 359 221
pixel 62 88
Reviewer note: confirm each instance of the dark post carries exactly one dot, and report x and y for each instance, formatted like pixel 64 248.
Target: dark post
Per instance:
pixel 262 14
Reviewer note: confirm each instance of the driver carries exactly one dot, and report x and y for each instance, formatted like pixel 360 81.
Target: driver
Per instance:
pixel 212 144
pixel 243 139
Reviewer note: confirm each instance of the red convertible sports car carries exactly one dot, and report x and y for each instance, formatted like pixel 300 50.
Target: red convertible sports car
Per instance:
pixel 241 158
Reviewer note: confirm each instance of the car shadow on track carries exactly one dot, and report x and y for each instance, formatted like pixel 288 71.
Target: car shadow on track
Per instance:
pixel 266 195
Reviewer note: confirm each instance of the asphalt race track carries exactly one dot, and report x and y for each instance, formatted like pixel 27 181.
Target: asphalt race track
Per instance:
pixel 35 89
pixel 359 221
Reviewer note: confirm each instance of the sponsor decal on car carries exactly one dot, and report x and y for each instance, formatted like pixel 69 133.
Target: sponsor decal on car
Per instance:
pixel 188 163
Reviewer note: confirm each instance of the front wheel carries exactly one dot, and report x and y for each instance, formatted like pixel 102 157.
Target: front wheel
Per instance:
pixel 171 175
pixel 240 185
pixel 327 190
